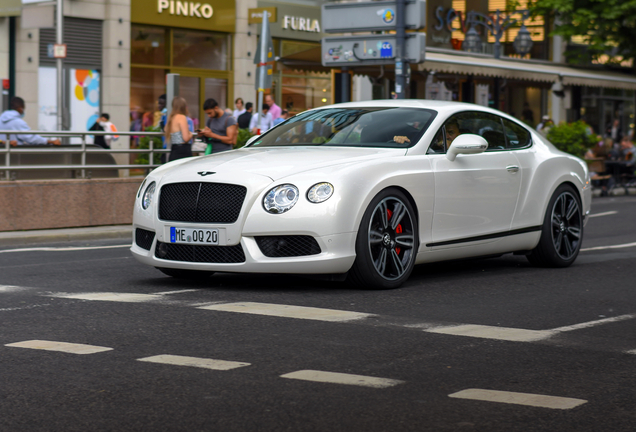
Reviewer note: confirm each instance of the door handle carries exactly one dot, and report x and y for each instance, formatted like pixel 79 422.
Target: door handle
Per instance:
pixel 512 168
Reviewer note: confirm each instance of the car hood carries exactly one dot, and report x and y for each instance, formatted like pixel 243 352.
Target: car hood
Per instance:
pixel 278 162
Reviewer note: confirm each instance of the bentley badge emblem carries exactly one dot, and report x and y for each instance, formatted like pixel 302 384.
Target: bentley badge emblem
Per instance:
pixel 204 173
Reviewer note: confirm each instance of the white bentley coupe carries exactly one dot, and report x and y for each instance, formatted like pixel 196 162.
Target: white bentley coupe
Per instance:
pixel 366 191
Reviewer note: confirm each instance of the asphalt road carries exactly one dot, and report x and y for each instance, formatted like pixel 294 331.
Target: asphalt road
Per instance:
pixel 463 346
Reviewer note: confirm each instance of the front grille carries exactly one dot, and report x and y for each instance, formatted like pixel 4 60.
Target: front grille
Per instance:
pixel 201 202
pixel 144 238
pixel 200 254
pixel 288 246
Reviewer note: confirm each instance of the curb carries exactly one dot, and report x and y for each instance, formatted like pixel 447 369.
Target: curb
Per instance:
pixel 18 238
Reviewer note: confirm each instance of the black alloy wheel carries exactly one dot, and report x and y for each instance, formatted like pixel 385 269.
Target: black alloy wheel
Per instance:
pixel 562 231
pixel 387 242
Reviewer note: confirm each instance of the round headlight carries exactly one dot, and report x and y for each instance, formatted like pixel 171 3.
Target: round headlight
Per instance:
pixel 281 198
pixel 147 198
pixel 320 192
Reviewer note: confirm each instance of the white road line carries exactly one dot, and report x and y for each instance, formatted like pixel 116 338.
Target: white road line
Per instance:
pixel 288 311
pixel 11 288
pixel 176 292
pixel 594 323
pixel 620 246
pixel 603 214
pixel 62 249
pixel 527 399
pixel 341 378
pixel 492 332
pixel 631 352
pixel 59 346
pixel 194 362
pixel 110 296
pixel 24 307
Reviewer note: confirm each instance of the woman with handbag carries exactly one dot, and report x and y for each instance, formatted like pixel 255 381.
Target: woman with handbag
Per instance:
pixel 178 134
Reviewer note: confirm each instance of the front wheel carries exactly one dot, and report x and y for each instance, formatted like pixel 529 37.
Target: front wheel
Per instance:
pixel 387 242
pixel 562 231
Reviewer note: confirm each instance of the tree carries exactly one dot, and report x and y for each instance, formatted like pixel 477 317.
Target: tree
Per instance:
pixel 608 27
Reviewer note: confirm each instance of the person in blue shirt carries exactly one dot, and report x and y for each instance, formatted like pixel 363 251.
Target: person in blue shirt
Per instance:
pixel 284 115
pixel 12 119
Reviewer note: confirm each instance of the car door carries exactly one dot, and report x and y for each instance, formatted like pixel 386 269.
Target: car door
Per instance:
pixel 475 195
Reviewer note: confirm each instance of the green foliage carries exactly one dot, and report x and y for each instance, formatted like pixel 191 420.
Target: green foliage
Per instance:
pixel 608 27
pixel 243 136
pixel 574 138
pixel 144 143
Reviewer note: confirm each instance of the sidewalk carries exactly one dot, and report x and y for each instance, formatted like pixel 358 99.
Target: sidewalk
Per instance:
pixel 20 238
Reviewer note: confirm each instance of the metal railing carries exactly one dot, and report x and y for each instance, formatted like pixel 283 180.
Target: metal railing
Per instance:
pixel 81 149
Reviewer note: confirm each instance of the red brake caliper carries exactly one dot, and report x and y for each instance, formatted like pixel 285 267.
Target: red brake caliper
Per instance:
pixel 398 230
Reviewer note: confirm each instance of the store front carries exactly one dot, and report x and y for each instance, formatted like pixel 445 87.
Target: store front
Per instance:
pixel 193 40
pixel 300 82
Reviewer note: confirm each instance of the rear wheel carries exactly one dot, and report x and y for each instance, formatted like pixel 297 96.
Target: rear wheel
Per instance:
pixel 387 242
pixel 186 274
pixel 562 231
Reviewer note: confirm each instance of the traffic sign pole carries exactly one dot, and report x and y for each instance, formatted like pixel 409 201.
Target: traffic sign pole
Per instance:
pixel 262 68
pixel 400 59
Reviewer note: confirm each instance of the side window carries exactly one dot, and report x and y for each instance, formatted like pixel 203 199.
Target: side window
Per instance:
pixel 437 146
pixel 517 136
pixel 487 126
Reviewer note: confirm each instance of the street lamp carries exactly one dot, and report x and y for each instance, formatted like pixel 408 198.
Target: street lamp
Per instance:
pixel 496 26
pixel 472 41
pixel 523 41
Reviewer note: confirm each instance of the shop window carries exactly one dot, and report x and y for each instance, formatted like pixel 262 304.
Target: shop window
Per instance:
pixel 148 45
pixel 201 50
pixel 217 89
pixel 146 85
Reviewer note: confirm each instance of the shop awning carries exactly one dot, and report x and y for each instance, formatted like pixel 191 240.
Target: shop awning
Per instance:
pixel 511 69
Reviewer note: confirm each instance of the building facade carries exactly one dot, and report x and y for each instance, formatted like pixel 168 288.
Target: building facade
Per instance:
pixel 119 52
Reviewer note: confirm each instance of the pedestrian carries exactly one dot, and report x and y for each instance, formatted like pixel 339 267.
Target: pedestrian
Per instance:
pixel 240 109
pixel 284 115
pixel 245 118
pixel 99 126
pixel 614 132
pixel 160 113
pixel 221 131
pixel 527 115
pixel 544 127
pixel 274 110
pixel 12 119
pixel 265 124
pixel 177 133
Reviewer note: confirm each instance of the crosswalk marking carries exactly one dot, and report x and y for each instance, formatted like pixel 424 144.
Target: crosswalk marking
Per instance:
pixel 194 362
pixel 110 296
pixel 10 288
pixel 288 311
pixel 342 378
pixel 491 332
pixel 527 399
pixel 66 347
pixel 594 323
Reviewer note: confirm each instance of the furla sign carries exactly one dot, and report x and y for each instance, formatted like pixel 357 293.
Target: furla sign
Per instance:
pixel 301 24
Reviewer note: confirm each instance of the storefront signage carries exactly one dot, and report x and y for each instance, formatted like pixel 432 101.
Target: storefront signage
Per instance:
pixel 301 24
pixel 10 8
pixel 255 15
pixel 184 8
pixel 298 22
pixel 211 15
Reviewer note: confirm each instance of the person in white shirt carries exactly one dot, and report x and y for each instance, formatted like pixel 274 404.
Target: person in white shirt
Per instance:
pixel 266 122
pixel 240 108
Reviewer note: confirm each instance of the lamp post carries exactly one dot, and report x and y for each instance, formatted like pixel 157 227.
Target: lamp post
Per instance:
pixel 496 25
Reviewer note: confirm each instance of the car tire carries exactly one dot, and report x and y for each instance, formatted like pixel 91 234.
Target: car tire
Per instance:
pixel 186 274
pixel 562 230
pixel 387 242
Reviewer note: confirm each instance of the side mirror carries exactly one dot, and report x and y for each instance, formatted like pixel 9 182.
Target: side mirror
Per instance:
pixel 251 140
pixel 466 144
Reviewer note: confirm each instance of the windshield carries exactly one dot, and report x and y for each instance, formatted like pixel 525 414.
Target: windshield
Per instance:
pixel 351 127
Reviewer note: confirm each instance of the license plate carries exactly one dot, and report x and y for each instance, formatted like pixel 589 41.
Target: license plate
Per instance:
pixel 194 236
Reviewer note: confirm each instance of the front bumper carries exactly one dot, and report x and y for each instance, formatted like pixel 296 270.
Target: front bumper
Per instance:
pixel 336 256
